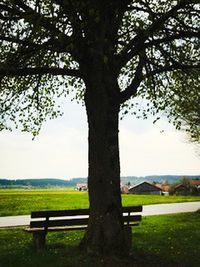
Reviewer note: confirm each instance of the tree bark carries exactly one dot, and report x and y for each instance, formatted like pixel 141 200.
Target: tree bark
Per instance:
pixel 105 234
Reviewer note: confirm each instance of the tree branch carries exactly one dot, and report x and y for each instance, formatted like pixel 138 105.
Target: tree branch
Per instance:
pixel 48 45
pixel 138 42
pixel 18 41
pixel 173 67
pixel 39 71
pixel 5 7
pixel 131 90
pixel 178 35
pixel 31 16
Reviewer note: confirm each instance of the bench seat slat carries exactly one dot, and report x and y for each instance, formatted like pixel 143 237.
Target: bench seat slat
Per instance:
pixel 59 213
pixel 52 223
pixel 55 229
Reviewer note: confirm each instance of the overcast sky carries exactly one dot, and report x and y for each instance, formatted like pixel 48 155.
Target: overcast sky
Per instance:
pixel 60 151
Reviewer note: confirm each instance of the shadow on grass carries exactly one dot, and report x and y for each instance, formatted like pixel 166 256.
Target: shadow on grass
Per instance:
pixel 57 256
pixel 61 254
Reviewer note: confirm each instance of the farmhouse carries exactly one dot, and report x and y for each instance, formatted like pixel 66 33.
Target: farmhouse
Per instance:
pixel 124 189
pixel 195 183
pixel 82 187
pixel 166 188
pixel 145 188
pixel 181 189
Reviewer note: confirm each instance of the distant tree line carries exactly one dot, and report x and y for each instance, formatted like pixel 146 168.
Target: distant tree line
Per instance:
pixel 40 182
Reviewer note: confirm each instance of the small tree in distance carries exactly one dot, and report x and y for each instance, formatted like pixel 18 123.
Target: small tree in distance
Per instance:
pixel 109 52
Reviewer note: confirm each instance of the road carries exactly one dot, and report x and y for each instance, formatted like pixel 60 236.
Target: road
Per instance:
pixel 148 210
pixel 160 209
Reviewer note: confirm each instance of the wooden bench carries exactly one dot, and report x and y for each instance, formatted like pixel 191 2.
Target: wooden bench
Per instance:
pixel 43 222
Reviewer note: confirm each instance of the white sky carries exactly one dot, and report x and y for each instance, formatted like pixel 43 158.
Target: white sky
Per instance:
pixel 60 151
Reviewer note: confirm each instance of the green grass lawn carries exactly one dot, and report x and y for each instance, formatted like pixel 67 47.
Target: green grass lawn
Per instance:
pixel 160 241
pixel 20 202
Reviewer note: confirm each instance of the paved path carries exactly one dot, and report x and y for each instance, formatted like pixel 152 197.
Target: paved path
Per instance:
pixel 157 209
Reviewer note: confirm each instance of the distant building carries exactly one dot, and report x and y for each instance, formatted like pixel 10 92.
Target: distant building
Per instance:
pixel 82 187
pixel 124 189
pixel 166 188
pixel 195 183
pixel 195 186
pixel 145 188
pixel 181 189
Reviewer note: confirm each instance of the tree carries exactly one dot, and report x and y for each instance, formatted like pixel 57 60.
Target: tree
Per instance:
pixel 186 111
pixel 186 182
pixel 190 114
pixel 109 52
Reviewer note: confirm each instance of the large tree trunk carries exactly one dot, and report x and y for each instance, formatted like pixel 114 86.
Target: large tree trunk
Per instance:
pixel 105 234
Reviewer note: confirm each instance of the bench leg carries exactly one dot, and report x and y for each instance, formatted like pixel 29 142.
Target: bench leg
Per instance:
pixel 128 236
pixel 39 240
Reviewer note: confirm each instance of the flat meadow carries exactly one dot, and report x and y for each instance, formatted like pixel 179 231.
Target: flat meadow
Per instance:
pixel 23 201
pixel 165 240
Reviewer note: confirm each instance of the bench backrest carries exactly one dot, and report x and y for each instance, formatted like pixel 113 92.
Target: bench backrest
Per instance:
pixel 77 217
pixel 130 219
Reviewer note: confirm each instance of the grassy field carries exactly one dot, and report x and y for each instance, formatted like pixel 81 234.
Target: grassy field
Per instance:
pixel 20 202
pixel 167 241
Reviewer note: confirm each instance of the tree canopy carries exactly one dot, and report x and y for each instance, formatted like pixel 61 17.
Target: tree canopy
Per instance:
pixel 153 49
pixel 186 110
